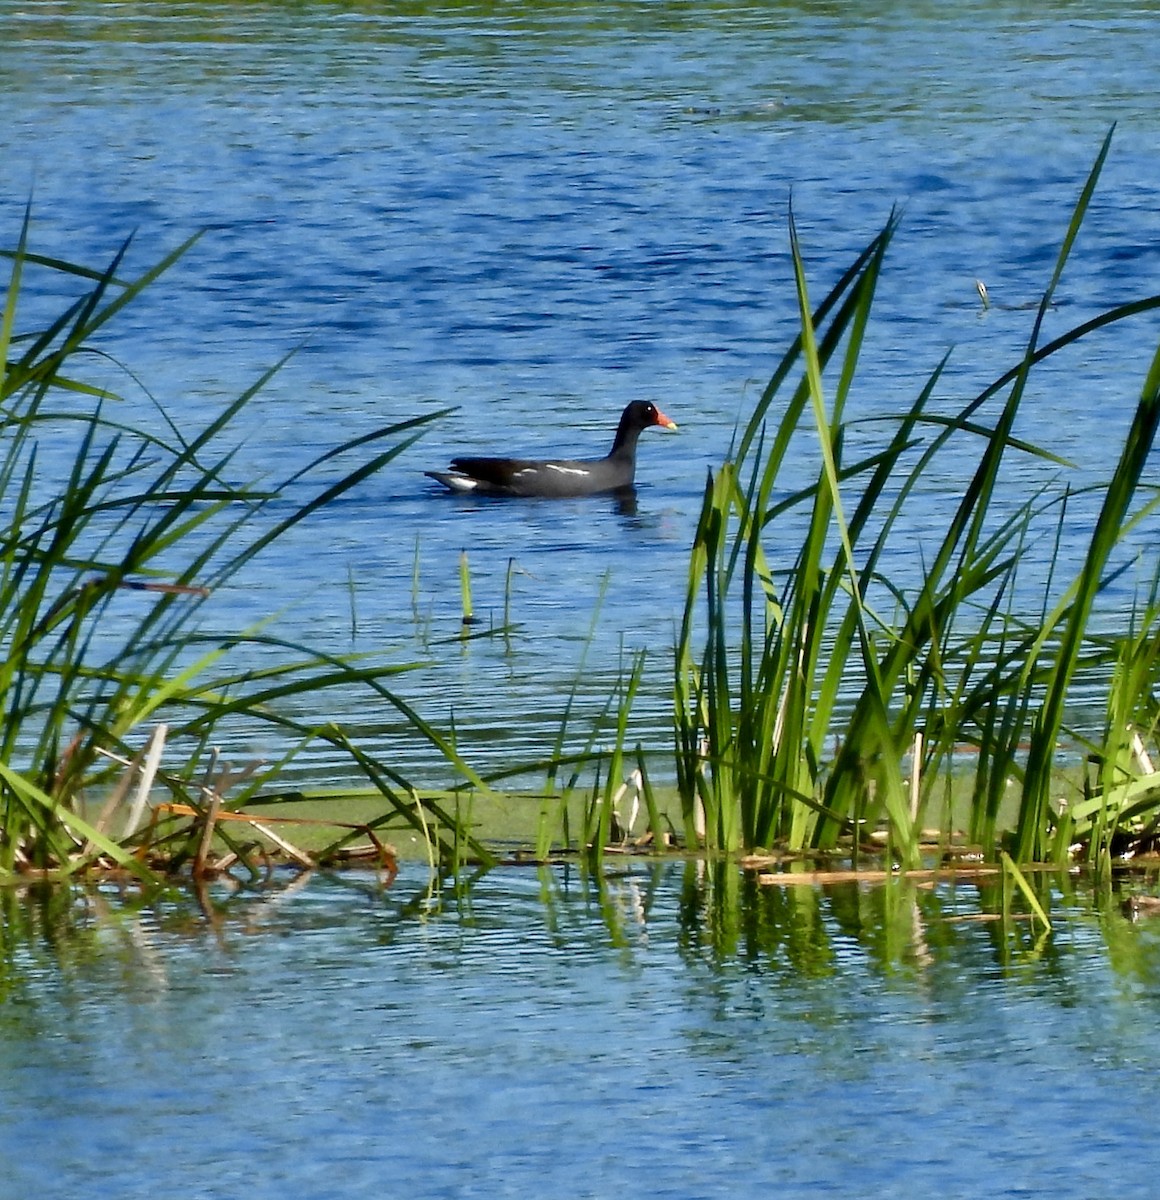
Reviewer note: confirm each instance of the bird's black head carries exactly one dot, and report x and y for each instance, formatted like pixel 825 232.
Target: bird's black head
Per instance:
pixel 643 413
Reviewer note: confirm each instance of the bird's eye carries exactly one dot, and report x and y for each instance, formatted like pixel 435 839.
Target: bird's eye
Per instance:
pixel 650 410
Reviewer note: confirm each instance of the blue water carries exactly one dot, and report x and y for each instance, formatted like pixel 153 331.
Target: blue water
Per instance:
pixel 538 214
pixel 545 1037
pixel 533 214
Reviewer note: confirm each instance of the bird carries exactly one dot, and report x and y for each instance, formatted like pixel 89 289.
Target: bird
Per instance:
pixel 559 478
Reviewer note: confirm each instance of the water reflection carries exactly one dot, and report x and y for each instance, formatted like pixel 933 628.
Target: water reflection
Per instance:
pixel 554 1028
pixel 905 928
pixel 622 503
pixel 711 913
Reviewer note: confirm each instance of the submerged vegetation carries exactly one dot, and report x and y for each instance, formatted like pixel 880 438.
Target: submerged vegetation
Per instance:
pixel 818 706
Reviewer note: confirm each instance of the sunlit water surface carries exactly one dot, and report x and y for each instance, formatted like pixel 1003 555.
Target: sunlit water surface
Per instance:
pixel 668 1033
pixel 536 214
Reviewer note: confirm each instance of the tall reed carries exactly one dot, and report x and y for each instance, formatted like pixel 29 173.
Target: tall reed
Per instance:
pixel 107 580
pixel 816 687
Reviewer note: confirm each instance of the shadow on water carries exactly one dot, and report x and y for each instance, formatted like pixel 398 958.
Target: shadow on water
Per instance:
pixel 621 503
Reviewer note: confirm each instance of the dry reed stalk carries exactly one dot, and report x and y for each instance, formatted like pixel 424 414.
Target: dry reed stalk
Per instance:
pixel 118 794
pixel 915 775
pixel 928 875
pixel 636 783
pixel 385 852
pixel 287 847
pixel 156 746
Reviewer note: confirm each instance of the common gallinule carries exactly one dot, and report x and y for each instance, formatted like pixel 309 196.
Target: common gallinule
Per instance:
pixel 559 477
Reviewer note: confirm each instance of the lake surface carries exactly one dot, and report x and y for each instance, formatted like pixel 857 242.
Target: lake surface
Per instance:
pixel 672 1031
pixel 533 214
pixel 536 214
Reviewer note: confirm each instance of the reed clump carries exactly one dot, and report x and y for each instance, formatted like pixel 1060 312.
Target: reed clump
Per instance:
pixel 116 676
pixel 820 705
pixel 819 701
